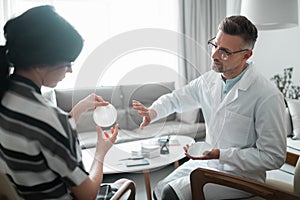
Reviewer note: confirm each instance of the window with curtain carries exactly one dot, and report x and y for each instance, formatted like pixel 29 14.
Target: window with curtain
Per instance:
pixel 104 22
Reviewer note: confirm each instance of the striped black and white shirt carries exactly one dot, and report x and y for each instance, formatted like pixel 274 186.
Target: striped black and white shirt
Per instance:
pixel 39 149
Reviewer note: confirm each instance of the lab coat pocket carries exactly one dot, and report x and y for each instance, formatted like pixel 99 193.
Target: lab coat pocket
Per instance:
pixel 236 129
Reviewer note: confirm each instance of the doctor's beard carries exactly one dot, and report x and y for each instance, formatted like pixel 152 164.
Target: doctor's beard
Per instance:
pixel 228 71
pixel 217 66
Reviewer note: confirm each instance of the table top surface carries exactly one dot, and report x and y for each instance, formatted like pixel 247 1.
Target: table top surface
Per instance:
pixel 115 159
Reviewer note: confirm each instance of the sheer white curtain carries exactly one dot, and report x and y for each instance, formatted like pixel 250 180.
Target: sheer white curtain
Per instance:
pixel 4 13
pixel 233 7
pixel 199 21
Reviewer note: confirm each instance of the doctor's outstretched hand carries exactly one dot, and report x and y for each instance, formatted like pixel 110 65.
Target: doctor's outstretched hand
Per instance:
pixel 207 155
pixel 147 114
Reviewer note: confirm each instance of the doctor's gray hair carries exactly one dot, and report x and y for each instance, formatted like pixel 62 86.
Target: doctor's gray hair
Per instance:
pixel 240 26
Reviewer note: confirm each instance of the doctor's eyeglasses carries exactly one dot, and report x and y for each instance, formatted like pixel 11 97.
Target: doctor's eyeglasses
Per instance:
pixel 224 53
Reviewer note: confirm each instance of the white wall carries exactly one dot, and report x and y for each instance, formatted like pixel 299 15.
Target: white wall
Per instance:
pixel 275 49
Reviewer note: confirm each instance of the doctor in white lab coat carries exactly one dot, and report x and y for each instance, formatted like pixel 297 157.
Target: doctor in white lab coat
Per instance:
pixel 243 112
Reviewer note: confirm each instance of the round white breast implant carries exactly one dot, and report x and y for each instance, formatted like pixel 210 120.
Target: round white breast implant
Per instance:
pixel 197 149
pixel 105 116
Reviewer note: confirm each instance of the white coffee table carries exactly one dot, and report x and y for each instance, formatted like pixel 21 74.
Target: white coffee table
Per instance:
pixel 114 160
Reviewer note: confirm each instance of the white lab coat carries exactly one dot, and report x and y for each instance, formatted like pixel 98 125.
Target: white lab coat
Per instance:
pixel 248 126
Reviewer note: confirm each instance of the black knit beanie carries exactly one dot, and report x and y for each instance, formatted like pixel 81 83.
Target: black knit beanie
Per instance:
pixel 41 37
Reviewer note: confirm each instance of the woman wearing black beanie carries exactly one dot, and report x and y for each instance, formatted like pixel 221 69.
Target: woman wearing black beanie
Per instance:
pixel 39 150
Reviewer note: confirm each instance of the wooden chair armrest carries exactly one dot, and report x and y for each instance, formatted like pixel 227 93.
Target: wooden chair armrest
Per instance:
pixel 7 191
pixel 199 177
pixel 291 158
pixel 127 187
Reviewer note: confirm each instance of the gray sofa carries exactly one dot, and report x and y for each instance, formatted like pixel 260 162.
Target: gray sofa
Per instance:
pixel 293 127
pixel 189 123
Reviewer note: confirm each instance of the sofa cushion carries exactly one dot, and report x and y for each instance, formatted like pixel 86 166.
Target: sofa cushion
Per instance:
pixel 197 131
pixel 146 94
pixel 293 145
pixel 190 117
pixel 119 96
pixel 289 126
pixel 89 139
pixel 294 109
pixel 128 119
pixel 86 122
pixel 67 98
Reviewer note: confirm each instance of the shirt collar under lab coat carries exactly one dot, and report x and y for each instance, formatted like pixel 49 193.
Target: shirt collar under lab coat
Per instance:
pixel 242 85
pixel 231 82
